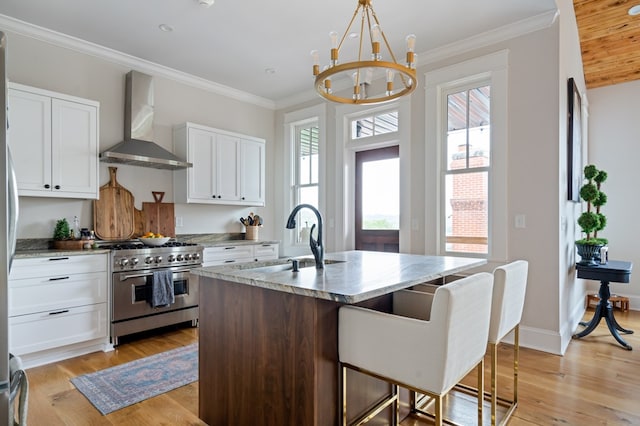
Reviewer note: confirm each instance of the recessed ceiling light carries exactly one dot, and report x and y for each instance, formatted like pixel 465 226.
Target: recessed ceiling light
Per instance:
pixel 270 70
pixel 165 27
pixel 634 10
pixel 205 3
pixel 354 35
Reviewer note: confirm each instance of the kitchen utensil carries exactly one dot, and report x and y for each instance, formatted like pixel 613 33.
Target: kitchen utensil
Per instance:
pixel 113 216
pixel 159 216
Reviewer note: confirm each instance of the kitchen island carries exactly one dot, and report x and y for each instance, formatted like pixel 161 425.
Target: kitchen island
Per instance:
pixel 269 335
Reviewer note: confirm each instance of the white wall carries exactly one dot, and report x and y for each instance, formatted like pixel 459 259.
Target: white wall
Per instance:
pixel 44 65
pixel 571 290
pixel 613 146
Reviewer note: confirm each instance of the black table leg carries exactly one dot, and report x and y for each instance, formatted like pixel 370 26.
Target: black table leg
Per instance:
pixel 604 310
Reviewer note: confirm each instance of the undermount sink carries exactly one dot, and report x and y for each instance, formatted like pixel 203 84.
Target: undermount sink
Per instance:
pixel 286 265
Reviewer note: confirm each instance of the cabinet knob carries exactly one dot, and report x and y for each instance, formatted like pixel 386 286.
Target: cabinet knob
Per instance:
pixel 47 186
pixel 213 196
pixel 243 198
pixel 57 187
pixel 219 196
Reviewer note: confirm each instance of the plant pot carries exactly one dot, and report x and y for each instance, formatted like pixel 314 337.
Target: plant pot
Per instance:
pixel 589 253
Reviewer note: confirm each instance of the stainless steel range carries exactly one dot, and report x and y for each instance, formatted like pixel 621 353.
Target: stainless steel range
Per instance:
pixel 134 266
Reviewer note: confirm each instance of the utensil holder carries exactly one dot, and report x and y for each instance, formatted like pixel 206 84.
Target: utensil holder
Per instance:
pixel 252 233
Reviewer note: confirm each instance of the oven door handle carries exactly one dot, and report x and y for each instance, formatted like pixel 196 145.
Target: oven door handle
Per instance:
pixel 148 274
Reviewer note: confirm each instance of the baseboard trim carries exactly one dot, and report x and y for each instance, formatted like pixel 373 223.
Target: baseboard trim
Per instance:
pixel 59 354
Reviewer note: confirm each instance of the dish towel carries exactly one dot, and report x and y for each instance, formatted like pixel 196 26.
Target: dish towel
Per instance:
pixel 162 289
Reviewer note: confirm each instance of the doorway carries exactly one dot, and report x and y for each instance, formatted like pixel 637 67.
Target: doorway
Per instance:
pixel 377 198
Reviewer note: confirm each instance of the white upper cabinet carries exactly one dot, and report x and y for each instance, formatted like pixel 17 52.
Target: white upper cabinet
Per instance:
pixel 54 143
pixel 228 168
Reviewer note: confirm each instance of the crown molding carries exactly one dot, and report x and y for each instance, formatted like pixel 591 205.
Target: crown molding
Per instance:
pixel 82 46
pixel 488 38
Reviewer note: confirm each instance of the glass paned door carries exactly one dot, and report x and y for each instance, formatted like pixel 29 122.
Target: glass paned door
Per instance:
pixel 378 200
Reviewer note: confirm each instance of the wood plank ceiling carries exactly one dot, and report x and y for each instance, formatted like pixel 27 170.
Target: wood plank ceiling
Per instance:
pixel 609 40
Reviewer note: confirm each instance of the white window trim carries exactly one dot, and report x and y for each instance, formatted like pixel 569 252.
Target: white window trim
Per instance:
pixel 492 67
pixel 345 155
pixel 291 121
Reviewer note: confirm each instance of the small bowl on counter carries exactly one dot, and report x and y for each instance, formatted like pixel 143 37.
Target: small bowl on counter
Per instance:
pixel 154 242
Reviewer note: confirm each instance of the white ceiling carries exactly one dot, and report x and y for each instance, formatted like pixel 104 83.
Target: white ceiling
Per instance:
pixel 233 42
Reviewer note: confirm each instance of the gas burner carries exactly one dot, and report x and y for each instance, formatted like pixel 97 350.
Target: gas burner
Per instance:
pixel 178 244
pixel 127 246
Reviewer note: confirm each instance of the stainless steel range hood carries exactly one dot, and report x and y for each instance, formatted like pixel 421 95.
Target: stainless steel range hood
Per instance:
pixel 138 148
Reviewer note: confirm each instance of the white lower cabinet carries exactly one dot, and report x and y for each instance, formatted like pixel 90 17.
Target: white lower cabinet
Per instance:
pixel 58 306
pixel 221 255
pixel 56 328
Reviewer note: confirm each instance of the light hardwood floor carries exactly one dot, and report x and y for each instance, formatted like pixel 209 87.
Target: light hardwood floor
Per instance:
pixel 595 382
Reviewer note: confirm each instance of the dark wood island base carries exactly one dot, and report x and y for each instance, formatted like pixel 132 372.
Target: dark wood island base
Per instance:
pixel 271 358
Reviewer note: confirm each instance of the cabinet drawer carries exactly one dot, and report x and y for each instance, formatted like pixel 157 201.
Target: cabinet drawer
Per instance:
pixel 31 295
pixel 227 254
pixel 266 251
pixel 37 332
pixel 57 266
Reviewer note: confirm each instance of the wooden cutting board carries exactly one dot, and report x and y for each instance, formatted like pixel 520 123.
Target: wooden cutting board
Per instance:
pixel 159 216
pixel 113 211
pixel 140 222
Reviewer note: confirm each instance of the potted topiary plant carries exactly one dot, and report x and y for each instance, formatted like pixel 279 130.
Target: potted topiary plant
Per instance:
pixel 592 220
pixel 63 237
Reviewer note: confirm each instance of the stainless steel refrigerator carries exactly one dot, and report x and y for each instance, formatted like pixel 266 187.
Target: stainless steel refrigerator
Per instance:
pixel 9 218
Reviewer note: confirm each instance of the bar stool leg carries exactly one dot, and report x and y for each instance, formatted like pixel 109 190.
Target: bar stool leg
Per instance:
pixel 493 348
pixel 480 390
pixel 343 379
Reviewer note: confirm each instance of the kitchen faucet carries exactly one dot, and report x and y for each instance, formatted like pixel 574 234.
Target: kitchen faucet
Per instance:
pixel 316 245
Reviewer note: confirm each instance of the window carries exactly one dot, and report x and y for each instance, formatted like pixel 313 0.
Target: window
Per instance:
pixel 374 125
pixel 306 183
pixel 466 131
pixel 467 167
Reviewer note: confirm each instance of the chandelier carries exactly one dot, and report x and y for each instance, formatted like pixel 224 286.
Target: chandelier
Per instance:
pixel 400 78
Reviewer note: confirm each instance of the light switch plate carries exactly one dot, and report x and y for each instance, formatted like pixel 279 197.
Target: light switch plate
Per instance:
pixel 520 221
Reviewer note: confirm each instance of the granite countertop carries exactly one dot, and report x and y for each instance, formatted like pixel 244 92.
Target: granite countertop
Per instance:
pixel 237 243
pixel 348 277
pixel 26 254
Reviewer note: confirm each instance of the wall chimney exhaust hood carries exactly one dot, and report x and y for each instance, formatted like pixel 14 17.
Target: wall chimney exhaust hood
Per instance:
pixel 138 148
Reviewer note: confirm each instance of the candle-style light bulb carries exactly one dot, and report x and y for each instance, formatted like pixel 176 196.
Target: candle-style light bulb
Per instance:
pixel 411 45
pixel 390 76
pixel 327 81
pixel 375 42
pixel 315 56
pixel 356 85
pixel 333 36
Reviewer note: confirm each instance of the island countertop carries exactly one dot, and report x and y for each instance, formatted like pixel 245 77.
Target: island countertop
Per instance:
pixel 348 277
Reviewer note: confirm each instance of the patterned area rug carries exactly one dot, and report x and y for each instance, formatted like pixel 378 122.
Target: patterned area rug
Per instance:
pixel 126 384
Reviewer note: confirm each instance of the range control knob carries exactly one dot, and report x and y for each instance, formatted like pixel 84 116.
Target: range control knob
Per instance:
pixel 196 256
pixel 124 262
pixel 171 258
pixel 187 256
pixel 148 259
pixel 158 259
pixel 134 261
pixel 180 258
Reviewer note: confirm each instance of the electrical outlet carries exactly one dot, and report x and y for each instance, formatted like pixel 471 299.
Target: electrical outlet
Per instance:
pixel 520 221
pixel 178 221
